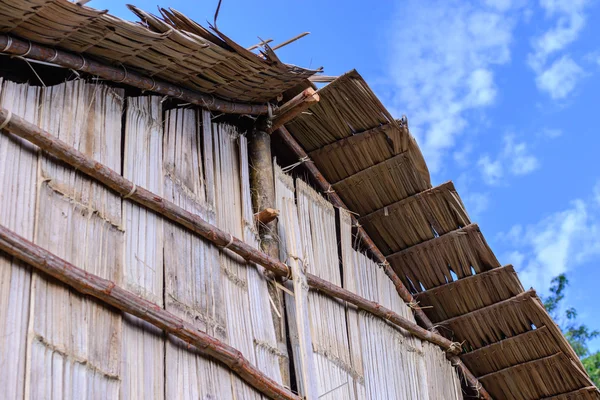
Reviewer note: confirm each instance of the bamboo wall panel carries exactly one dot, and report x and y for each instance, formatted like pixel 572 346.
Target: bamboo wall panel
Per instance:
pixel 329 332
pixel 143 344
pixel 395 364
pixel 291 248
pixel 192 276
pixel 18 181
pixel 75 343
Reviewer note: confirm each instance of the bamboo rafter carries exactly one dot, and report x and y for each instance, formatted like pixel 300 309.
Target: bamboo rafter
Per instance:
pixel 195 223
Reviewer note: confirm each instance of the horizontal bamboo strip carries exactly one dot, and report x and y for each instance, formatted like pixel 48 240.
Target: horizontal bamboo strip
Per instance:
pixel 17 47
pixel 108 292
pixel 195 223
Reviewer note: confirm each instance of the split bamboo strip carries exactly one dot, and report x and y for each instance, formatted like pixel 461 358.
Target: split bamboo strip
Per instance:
pixel 17 47
pixel 197 224
pixel 108 292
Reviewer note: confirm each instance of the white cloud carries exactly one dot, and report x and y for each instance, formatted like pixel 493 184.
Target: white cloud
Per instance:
pixel 514 159
pixel 551 133
pixel 560 78
pixel 476 203
pixel 597 193
pixel 557 244
pixel 442 68
pixel 521 162
pixel 570 20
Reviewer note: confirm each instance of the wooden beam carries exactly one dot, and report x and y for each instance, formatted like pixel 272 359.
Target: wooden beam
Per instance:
pixel 266 216
pixel 108 292
pixel 293 108
pixel 18 47
pixel 402 291
pixel 111 179
pixel 322 78
pixel 292 40
pixel 555 355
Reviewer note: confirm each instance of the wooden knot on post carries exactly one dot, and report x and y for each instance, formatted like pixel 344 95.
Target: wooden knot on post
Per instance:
pixel 265 216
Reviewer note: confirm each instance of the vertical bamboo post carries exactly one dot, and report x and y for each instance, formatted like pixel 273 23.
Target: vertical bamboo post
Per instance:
pixel 262 186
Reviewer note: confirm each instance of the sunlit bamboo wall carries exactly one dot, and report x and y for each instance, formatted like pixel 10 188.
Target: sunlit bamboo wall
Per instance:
pixel 55 343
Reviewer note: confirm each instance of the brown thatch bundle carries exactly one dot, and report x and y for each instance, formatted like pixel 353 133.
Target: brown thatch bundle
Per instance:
pixel 455 255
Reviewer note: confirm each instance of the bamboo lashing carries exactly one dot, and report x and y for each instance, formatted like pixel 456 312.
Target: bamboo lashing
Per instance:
pixel 109 293
pixel 18 47
pixel 49 143
pixel 372 248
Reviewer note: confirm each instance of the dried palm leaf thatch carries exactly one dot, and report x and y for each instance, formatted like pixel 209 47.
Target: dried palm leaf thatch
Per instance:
pixel 202 62
pixel 519 314
pixel 143 345
pixel 455 255
pixel 586 393
pixel 414 369
pixel 18 182
pixel 346 106
pixel 548 376
pixel 418 218
pixel 469 294
pixel 382 184
pixel 518 349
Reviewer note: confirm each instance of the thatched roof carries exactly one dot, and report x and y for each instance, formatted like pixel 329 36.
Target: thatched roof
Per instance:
pixel 509 340
pixel 173 48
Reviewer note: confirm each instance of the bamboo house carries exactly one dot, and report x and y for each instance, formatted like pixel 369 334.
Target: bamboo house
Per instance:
pixel 185 218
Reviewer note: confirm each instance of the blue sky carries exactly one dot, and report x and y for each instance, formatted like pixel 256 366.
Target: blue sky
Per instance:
pixel 502 96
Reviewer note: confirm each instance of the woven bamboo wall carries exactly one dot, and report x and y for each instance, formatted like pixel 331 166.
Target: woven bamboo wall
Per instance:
pixel 56 343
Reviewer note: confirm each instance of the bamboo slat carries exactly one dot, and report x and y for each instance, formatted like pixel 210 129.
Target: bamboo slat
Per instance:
pixel 18 183
pixel 297 305
pixel 143 346
pixel 192 276
pixel 330 344
pixel 75 342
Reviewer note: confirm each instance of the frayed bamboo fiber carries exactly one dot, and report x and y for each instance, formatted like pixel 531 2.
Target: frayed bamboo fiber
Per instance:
pixel 197 224
pixel 108 292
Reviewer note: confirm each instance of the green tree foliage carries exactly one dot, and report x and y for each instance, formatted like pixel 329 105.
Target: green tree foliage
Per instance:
pixel 577 334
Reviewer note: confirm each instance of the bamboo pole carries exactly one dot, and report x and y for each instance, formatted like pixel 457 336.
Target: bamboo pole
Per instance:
pixel 262 188
pixel 372 248
pixel 18 47
pixel 55 147
pixel 109 293
pixel 293 108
